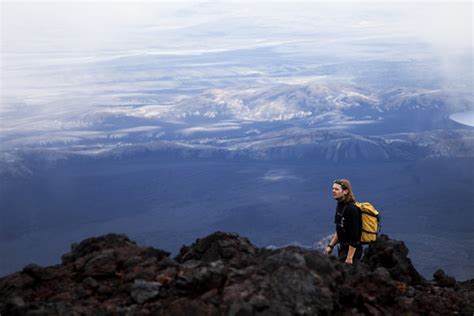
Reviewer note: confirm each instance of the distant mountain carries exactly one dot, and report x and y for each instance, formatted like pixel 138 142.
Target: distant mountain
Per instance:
pixel 307 143
pixel 285 102
pixel 286 144
pixel 273 103
pixel 324 121
pixel 246 112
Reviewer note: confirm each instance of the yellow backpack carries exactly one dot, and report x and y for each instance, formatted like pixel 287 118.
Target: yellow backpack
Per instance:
pixel 370 222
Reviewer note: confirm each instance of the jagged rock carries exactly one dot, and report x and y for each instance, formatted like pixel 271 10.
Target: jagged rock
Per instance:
pixel 17 281
pixel 143 290
pixel 217 246
pixel 95 244
pixel 224 274
pixel 90 283
pixel 442 279
pixel 38 273
pixel 101 265
pixel 281 282
pixel 410 291
pixel 392 255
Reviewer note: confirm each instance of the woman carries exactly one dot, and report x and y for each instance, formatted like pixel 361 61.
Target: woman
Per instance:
pixel 348 224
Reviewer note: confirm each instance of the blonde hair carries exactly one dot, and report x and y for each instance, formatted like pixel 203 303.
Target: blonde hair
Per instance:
pixel 346 185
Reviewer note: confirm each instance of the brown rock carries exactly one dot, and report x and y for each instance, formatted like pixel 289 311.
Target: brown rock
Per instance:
pixel 103 264
pixel 444 280
pixel 224 274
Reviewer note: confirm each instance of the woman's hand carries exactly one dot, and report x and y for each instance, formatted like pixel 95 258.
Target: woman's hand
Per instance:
pixel 349 260
pixel 328 250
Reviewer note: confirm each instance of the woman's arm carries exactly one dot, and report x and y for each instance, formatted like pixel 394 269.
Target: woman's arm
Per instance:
pixel 350 254
pixel 331 245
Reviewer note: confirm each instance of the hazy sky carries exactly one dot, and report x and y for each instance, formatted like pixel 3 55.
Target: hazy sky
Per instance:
pixel 79 32
pixel 36 26
pixel 61 57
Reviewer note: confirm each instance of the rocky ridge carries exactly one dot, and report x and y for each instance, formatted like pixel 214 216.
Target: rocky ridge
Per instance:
pixel 224 274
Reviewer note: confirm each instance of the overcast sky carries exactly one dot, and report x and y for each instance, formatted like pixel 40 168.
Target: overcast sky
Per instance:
pixel 86 27
pixel 39 37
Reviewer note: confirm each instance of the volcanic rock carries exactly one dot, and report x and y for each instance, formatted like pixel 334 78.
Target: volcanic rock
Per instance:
pixel 224 274
pixel 392 255
pixel 442 279
pixel 217 246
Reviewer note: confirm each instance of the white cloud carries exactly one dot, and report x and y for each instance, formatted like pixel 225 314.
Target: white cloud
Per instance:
pixel 87 27
pixel 79 58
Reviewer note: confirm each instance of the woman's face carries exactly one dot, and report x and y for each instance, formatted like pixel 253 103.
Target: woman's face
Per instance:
pixel 337 191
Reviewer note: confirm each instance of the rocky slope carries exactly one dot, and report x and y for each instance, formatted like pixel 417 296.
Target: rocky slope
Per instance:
pixel 224 274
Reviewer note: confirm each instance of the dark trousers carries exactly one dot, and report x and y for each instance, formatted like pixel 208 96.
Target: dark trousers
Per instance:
pixel 343 249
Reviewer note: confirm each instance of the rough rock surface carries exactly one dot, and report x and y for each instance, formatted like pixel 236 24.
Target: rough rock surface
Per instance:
pixel 224 274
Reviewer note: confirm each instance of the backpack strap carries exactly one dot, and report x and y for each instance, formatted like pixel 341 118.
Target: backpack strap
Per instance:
pixel 366 231
pixel 342 217
pixel 343 211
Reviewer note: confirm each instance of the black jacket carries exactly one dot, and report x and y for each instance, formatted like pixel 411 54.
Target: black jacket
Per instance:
pixel 348 222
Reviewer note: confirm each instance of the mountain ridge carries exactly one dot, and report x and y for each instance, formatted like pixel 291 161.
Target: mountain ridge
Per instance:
pixel 291 143
pixel 241 111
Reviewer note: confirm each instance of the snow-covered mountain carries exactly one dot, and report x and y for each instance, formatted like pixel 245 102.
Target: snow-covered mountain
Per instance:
pixel 314 144
pixel 274 103
pixel 286 102
pixel 290 144
pixel 239 112
pixel 324 121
